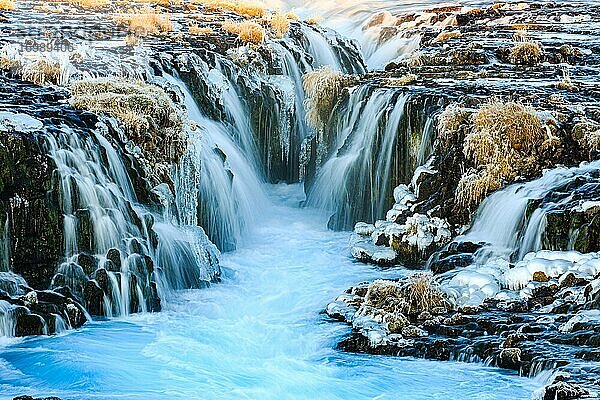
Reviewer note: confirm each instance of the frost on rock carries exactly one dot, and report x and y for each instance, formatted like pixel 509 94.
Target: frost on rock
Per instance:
pixel 543 271
pixel 18 122
pixel 411 237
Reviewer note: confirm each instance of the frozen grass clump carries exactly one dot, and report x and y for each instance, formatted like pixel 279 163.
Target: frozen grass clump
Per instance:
pixel 200 31
pixel 525 53
pixel 280 24
pixel 91 3
pixel 151 119
pixel 7 5
pixel 401 81
pixel 323 88
pixel 146 21
pixel 423 293
pixel 451 123
pixel 49 68
pixel 247 31
pixel 418 293
pixel 249 9
pixel 502 143
pixel 447 35
pixel 500 140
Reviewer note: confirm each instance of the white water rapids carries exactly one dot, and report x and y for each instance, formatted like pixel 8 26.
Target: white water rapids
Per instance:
pixel 260 334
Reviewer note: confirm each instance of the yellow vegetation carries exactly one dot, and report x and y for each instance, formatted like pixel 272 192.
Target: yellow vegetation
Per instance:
pixel 248 9
pixel 401 81
pixel 46 70
pixel 146 22
pixel 447 35
pixel 587 134
pixel 566 83
pixel 247 31
pixel 7 5
pixel 323 88
pixel 149 115
pixel 451 124
pixel 525 53
pixel 502 141
pixel 423 293
pixel 280 24
pixel 316 20
pixel 92 3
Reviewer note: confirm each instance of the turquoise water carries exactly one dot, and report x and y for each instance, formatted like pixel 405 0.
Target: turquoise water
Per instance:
pixel 260 334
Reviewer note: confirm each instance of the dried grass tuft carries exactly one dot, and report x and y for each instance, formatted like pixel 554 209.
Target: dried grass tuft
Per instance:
pixel 7 5
pixel 280 24
pixel 322 87
pixel 247 31
pixel 146 21
pixel 526 53
pixel 150 117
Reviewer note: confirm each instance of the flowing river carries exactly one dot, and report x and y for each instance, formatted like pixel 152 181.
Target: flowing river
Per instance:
pixel 260 334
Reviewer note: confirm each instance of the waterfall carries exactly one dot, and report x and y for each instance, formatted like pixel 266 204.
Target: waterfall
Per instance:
pixel 113 239
pixel 7 319
pixel 352 184
pixel 505 222
pixel 353 20
pixel 217 186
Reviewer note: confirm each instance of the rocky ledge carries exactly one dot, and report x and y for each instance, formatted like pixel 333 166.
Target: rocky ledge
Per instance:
pixel 416 318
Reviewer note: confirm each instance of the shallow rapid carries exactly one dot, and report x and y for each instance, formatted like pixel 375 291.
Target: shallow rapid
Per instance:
pixel 259 334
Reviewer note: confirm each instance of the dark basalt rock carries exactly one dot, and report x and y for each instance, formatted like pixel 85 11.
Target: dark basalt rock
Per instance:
pixel 26 397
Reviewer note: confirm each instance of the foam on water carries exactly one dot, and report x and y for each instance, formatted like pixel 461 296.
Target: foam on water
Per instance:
pixel 258 334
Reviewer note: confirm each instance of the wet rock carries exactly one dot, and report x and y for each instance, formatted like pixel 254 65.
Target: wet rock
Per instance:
pixel 87 262
pixel 30 325
pixel 510 358
pixel 26 397
pixel 93 297
pixel 114 255
pixel 564 391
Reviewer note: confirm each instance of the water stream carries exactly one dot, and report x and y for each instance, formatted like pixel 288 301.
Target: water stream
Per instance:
pixel 260 334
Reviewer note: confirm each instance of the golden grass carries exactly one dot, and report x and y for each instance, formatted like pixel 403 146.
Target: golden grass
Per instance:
pixel 400 81
pixel 411 297
pixel 587 134
pixel 44 71
pixel 132 40
pixel 566 83
pixel 249 9
pixel 146 22
pixel 247 31
pixel 165 3
pixel 315 20
pixel 502 141
pixel 7 5
pixel 146 111
pixel 92 3
pixel 450 125
pixel 323 88
pixel 422 293
pixel 292 16
pixel 525 53
pixel 280 25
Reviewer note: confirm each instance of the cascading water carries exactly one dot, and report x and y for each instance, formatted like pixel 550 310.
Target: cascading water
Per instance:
pixel 504 222
pixel 110 237
pixel 354 183
pixel 217 187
